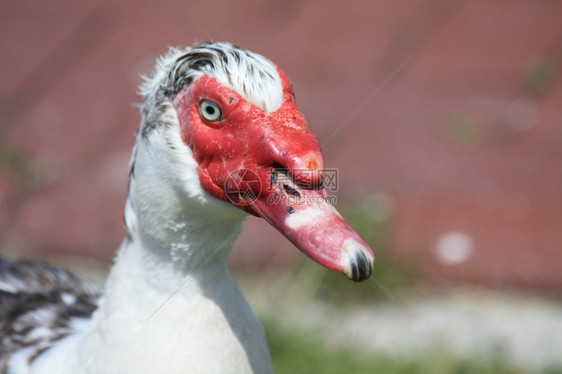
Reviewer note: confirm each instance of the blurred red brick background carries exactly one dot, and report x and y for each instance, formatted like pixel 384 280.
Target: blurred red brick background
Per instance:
pixel 446 115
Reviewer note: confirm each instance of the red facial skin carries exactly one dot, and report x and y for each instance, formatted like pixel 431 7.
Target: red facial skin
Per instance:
pixel 241 151
pixel 247 138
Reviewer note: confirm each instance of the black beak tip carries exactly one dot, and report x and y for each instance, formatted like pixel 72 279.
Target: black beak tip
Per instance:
pixel 361 267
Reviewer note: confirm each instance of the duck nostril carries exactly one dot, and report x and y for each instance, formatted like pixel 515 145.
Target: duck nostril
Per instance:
pixel 306 172
pixel 278 168
pixel 282 179
pixel 279 174
pixel 291 180
pixel 291 190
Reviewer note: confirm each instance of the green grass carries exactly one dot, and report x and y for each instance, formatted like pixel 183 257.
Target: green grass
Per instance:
pixel 24 171
pixel 540 75
pixel 462 129
pixel 295 352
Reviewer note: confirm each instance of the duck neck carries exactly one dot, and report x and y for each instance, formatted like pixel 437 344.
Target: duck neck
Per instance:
pixel 175 228
pixel 176 247
pixel 167 254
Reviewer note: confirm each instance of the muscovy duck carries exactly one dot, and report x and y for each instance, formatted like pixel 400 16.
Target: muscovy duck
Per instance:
pixel 220 137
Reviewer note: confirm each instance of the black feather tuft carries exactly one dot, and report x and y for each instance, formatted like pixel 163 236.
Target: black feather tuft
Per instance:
pixel 36 295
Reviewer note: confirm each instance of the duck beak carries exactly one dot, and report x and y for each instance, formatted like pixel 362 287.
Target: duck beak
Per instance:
pixel 310 221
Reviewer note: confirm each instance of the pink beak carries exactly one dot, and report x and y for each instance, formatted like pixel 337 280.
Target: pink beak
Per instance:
pixel 310 222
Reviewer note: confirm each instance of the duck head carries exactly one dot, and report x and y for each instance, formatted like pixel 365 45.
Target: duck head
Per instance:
pixel 254 150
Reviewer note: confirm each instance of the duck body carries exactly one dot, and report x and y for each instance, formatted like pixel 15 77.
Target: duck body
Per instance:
pixel 220 136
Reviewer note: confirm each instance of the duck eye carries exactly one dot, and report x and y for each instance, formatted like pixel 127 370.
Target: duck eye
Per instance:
pixel 210 111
